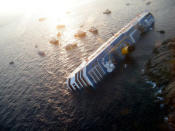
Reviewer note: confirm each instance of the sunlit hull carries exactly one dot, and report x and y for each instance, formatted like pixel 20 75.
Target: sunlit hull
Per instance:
pixel 105 59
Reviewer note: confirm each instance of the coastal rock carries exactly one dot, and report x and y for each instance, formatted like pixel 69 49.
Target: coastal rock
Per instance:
pixel 71 46
pixel 93 30
pixel 148 3
pixel 54 41
pixel 161 31
pixel 169 93
pixel 127 4
pixel 41 53
pixel 11 63
pixel 42 19
pixel 81 26
pixel 107 11
pixel 80 34
pixel 160 68
pixel 171 121
pixel 61 26
pixel 58 34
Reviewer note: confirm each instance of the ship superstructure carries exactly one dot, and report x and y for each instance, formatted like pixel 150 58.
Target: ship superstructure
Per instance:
pixel 105 59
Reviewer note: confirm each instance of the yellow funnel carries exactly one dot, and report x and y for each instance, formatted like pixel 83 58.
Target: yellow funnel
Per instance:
pixel 125 50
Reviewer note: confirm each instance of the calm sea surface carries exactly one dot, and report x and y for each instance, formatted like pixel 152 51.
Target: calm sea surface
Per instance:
pixel 33 93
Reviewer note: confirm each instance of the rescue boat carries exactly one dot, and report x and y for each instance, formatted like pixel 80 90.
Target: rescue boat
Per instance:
pixel 104 60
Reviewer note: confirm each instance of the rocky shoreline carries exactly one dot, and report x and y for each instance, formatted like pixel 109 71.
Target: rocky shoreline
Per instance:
pixel 160 68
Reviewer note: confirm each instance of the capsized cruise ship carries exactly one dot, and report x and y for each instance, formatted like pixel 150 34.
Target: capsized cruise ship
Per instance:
pixel 106 58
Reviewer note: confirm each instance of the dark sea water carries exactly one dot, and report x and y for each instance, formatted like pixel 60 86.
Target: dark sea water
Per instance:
pixel 33 93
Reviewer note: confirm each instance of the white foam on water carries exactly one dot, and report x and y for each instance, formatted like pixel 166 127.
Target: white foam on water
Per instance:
pixel 151 83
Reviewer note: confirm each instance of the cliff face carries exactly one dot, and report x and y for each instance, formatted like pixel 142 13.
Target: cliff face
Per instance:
pixel 160 68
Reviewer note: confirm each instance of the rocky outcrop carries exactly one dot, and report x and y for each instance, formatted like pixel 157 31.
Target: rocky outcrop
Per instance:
pixel 160 68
